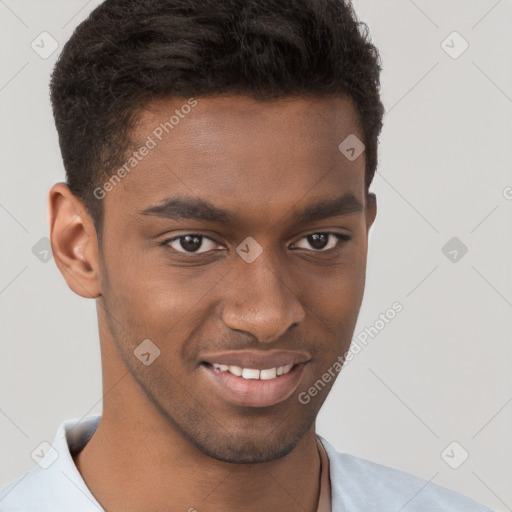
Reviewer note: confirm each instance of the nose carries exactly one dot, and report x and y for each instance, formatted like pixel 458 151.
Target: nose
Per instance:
pixel 260 300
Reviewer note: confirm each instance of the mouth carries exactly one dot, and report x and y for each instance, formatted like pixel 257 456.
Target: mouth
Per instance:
pixel 253 373
pixel 253 387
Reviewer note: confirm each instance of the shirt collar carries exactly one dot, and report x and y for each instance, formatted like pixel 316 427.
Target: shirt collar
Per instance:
pixel 324 501
pixel 59 469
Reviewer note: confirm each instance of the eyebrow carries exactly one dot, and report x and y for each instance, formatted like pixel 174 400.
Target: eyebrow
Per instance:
pixel 180 208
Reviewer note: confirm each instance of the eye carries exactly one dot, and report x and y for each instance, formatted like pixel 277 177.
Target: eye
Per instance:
pixel 321 242
pixel 191 243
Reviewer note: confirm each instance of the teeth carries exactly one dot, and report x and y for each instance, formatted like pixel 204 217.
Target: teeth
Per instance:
pixel 249 373
pixel 252 373
pixel 271 373
pixel 287 368
pixel 236 370
pixel 281 370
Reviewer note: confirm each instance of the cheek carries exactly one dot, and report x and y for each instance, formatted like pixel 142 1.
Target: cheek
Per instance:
pixel 142 285
pixel 163 303
pixel 333 295
pixel 339 287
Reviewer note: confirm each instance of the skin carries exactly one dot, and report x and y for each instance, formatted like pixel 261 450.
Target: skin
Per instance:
pixel 165 437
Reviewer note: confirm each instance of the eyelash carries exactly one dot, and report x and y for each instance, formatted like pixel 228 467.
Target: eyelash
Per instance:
pixel 342 239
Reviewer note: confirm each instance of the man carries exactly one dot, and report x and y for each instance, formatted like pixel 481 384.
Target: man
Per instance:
pixel 218 156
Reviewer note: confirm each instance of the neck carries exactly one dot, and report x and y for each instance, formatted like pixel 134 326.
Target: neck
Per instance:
pixel 136 460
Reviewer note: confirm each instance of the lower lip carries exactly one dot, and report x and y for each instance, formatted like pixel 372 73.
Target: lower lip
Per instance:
pixel 255 392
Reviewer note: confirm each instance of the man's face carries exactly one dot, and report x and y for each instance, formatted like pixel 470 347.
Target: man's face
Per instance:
pixel 264 168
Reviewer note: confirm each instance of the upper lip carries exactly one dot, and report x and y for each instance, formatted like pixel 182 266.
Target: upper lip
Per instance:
pixel 257 359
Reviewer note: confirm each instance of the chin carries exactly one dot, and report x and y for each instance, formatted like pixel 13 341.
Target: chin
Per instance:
pixel 248 452
pixel 249 446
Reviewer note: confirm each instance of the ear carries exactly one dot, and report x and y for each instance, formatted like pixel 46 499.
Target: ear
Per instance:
pixel 370 210
pixel 74 242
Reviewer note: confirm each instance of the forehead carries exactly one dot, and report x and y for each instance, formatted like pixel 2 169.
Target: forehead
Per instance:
pixel 234 151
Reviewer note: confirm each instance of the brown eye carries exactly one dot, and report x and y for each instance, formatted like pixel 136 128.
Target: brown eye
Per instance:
pixel 322 241
pixel 191 243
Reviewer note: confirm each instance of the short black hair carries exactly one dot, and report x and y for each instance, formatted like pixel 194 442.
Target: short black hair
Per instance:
pixel 130 52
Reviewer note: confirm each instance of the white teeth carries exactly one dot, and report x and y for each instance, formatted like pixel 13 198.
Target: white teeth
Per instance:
pixel 271 373
pixel 287 368
pixel 281 370
pixel 236 370
pixel 249 373
pixel 252 373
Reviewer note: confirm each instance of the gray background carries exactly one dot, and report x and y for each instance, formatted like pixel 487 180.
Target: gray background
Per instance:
pixel 438 372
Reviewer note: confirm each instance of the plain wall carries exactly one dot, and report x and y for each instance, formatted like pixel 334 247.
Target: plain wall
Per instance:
pixel 438 372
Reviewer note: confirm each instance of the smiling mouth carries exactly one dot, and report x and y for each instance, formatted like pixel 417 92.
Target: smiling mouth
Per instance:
pixel 252 373
pixel 252 387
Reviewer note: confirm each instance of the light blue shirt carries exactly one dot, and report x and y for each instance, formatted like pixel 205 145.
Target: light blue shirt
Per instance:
pixel 357 485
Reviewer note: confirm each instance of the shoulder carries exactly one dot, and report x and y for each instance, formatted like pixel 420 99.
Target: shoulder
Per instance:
pixel 359 484
pixel 40 489
pixel 36 487
pixel 54 483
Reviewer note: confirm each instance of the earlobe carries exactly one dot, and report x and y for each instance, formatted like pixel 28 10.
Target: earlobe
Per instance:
pixel 74 241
